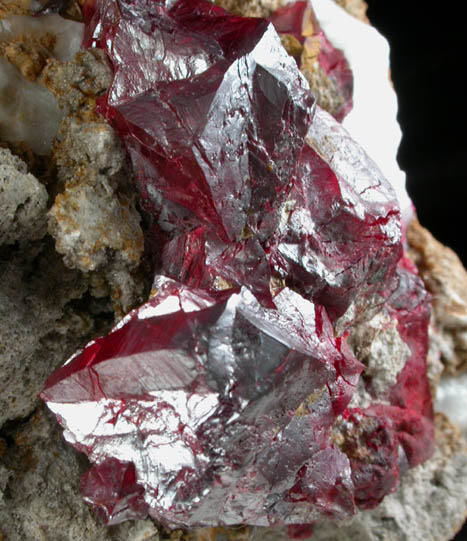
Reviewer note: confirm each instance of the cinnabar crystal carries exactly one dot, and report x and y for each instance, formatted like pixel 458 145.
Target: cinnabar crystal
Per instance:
pixel 225 398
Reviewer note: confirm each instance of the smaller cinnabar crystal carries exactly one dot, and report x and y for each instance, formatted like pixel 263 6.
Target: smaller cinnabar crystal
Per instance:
pixel 111 487
pixel 385 439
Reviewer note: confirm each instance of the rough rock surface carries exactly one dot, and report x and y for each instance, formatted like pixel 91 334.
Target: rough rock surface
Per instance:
pixel 48 309
pixel 23 202
pixel 93 219
pixel 38 322
pixel 446 279
pixel 379 346
pixel 77 83
pixel 90 219
pixel 248 8
pixel 28 54
pixel 17 7
pixel 37 319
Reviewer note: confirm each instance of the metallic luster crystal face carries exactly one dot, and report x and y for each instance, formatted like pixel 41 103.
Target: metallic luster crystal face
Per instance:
pixel 225 398
pixel 202 408
pixel 232 108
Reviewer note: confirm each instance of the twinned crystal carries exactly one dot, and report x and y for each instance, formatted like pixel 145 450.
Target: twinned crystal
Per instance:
pixel 226 398
pixel 232 109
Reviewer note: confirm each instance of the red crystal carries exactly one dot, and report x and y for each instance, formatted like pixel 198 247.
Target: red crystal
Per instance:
pixel 372 446
pixel 337 69
pixel 328 240
pixel 204 409
pixel 300 531
pixel 398 435
pixel 112 489
pixel 289 19
pixel 232 110
pixel 215 403
pixel 336 241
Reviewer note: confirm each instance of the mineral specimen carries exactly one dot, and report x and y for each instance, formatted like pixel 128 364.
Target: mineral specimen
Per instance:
pixel 226 398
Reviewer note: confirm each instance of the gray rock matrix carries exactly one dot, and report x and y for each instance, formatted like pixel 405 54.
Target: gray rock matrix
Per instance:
pixel 71 246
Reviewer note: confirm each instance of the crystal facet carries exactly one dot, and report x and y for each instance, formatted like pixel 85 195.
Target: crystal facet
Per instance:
pixel 232 109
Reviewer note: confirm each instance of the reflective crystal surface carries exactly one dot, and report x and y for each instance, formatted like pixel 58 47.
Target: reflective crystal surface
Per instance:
pixel 231 107
pixel 223 407
pixel 336 235
pixel 225 399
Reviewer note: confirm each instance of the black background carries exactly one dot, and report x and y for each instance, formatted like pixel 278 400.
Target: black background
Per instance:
pixel 428 65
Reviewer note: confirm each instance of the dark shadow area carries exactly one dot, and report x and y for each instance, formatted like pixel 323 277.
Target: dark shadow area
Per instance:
pixel 427 58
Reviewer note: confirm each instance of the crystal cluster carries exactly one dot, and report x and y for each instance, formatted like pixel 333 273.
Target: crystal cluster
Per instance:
pixel 225 398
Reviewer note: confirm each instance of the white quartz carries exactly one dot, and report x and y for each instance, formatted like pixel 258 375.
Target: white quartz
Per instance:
pixel 28 111
pixel 69 34
pixel 373 119
pixel 451 399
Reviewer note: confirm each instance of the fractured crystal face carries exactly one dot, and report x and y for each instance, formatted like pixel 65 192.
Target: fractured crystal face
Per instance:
pixel 203 408
pixel 336 235
pixel 225 399
pixel 339 239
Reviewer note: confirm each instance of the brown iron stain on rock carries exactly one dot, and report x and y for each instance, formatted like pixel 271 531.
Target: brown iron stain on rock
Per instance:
pixel 446 279
pixel 77 84
pixel 291 45
pixel 17 7
pixel 250 8
pixel 29 54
